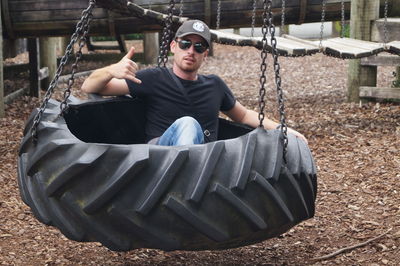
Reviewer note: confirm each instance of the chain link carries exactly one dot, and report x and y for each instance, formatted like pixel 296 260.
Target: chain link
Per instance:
pixel 218 14
pixel 181 9
pixel 78 56
pixel 283 17
pixel 79 29
pixel 281 104
pixel 322 23
pixel 263 66
pixel 166 38
pixel 343 20
pixel 253 18
pixel 385 30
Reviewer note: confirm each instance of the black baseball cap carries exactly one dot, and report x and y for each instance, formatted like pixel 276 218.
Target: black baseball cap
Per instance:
pixel 197 27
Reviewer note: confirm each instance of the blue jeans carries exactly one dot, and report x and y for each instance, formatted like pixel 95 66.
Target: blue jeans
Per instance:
pixel 184 131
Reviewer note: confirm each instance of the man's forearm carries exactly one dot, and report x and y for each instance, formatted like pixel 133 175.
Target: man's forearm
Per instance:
pixel 97 81
pixel 251 119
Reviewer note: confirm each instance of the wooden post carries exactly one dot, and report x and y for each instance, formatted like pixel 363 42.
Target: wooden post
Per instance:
pixel 396 82
pixel 48 57
pixel 362 13
pixel 151 47
pixel 34 83
pixel 2 111
pixel 63 43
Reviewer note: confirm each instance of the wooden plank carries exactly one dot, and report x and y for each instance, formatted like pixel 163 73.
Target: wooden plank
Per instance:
pixel 394 47
pixel 300 46
pixel 33 5
pixel 381 60
pixel 359 44
pixel 380 93
pixel 2 108
pixel 234 39
pixel 341 50
pixel 350 48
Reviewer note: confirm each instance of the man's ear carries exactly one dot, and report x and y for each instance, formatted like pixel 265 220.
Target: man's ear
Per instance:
pixel 205 55
pixel 172 46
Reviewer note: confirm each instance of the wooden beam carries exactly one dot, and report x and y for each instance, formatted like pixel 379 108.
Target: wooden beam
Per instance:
pixel 34 84
pixel 363 12
pixel 381 60
pixel 380 93
pixel 58 18
pixel 393 30
pixel 2 111
pixel 15 95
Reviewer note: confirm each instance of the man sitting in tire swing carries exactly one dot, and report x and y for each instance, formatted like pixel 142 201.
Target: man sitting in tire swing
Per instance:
pixel 182 105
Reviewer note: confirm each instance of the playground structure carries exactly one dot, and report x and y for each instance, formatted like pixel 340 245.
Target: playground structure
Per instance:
pixel 44 19
pixel 172 203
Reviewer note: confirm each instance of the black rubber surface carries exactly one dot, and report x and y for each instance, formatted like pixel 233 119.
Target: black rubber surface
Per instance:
pixel 218 195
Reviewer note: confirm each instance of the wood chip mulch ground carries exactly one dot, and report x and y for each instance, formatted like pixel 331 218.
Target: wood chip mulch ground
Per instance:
pixel 356 148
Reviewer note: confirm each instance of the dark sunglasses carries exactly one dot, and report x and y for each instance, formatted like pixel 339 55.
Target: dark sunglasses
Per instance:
pixel 199 47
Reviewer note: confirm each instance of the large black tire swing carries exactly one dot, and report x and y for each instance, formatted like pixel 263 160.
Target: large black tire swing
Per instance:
pixel 85 172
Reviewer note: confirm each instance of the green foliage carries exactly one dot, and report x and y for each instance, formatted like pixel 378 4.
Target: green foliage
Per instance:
pixel 338 28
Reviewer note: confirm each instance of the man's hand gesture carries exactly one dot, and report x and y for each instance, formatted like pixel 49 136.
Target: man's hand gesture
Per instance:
pixel 126 68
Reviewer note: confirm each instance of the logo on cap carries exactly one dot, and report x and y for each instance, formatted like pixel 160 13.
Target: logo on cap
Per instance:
pixel 198 26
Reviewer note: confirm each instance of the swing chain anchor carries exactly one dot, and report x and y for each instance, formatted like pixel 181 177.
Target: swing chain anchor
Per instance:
pixel 166 38
pixel 81 29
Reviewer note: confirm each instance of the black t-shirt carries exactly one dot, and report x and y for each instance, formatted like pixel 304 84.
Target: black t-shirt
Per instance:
pixel 166 102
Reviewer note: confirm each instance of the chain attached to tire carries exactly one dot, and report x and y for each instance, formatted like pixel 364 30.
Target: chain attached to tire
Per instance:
pixel 263 67
pixel 269 26
pixel 81 30
pixel 78 56
pixel 277 67
pixel 166 37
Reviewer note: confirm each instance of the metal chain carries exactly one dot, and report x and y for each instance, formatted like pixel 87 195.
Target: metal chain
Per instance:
pixel 322 23
pixel 385 30
pixel 281 104
pixel 283 17
pixel 263 66
pixel 253 18
pixel 78 32
pixel 343 20
pixel 181 9
pixel 78 56
pixel 166 38
pixel 218 14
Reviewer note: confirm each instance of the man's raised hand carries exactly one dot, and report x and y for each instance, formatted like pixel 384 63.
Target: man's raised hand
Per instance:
pixel 126 68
